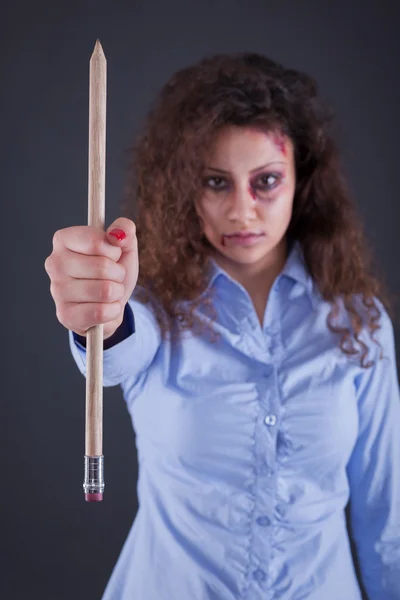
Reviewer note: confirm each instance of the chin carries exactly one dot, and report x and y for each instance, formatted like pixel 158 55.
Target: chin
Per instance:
pixel 247 256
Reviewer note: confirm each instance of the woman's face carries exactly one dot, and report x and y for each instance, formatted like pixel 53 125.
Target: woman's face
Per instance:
pixel 248 188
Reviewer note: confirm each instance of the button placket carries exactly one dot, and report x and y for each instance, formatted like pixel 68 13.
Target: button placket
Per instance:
pixel 267 426
pixel 265 470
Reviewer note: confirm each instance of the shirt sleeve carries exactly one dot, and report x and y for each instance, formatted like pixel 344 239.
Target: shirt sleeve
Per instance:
pixel 374 472
pixel 131 356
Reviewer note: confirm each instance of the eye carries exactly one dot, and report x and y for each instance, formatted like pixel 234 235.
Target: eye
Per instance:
pixel 266 181
pixel 215 182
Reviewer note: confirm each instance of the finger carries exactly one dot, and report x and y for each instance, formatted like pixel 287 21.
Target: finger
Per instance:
pixel 80 317
pixel 125 234
pixel 78 266
pixel 85 239
pixel 83 290
pixel 129 247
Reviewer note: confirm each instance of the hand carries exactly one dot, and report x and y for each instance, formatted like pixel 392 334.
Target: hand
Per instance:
pixel 93 274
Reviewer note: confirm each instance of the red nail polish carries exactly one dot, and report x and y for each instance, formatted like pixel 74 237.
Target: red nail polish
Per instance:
pixel 119 234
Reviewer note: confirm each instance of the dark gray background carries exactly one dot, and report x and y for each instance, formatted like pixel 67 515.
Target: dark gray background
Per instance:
pixel 53 545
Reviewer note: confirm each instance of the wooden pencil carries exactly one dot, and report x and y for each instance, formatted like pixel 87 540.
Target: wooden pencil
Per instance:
pixel 94 459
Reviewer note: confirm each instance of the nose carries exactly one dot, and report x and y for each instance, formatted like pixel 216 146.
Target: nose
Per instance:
pixel 241 204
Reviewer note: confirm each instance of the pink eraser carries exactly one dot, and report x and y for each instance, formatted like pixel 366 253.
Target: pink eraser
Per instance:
pixel 93 497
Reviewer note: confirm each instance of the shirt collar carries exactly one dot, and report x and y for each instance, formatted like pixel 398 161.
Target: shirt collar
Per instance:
pixel 294 269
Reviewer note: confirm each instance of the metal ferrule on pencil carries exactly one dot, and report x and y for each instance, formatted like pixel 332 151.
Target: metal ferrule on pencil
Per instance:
pixel 94 475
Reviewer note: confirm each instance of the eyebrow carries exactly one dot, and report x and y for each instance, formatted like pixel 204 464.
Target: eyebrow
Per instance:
pixel 253 170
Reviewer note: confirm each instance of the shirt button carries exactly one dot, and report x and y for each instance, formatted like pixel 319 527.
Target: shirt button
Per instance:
pixel 272 346
pixel 281 509
pixel 270 420
pixel 259 575
pixel 264 521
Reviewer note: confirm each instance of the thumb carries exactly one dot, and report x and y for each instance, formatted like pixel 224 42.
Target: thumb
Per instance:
pixel 122 233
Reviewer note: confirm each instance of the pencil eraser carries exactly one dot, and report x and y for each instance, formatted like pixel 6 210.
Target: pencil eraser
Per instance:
pixel 93 497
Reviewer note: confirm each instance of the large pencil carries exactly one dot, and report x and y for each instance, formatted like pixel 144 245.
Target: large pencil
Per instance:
pixel 93 485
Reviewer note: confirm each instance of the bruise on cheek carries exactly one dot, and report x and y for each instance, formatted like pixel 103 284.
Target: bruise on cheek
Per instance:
pixel 252 193
pixel 279 141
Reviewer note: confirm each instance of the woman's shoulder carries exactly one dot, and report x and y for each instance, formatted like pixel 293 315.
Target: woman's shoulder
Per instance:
pixel 374 324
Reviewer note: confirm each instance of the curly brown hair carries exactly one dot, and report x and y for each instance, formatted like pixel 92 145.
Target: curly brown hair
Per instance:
pixel 165 179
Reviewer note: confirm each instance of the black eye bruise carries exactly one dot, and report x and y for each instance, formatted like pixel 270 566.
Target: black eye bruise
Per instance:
pixel 220 182
pixel 276 177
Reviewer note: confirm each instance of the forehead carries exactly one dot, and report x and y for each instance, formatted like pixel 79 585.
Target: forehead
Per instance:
pixel 249 143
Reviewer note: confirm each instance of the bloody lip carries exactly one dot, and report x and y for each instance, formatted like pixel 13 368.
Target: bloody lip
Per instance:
pixel 241 240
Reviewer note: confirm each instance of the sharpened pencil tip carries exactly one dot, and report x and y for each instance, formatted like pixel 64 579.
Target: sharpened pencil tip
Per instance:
pixel 98 49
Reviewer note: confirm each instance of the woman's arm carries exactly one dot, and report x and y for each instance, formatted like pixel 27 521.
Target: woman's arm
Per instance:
pixel 129 351
pixel 126 329
pixel 374 473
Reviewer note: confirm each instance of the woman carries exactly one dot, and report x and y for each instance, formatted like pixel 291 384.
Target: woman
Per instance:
pixel 256 353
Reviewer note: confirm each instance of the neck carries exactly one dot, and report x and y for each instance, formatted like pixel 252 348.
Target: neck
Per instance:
pixel 257 278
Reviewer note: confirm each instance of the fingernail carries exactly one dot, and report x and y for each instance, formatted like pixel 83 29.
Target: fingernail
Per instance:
pixel 118 233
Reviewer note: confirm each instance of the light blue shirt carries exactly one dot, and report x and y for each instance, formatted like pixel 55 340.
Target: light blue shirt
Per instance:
pixel 250 448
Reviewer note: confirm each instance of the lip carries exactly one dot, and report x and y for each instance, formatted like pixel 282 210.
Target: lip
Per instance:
pixel 243 238
pixel 243 233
